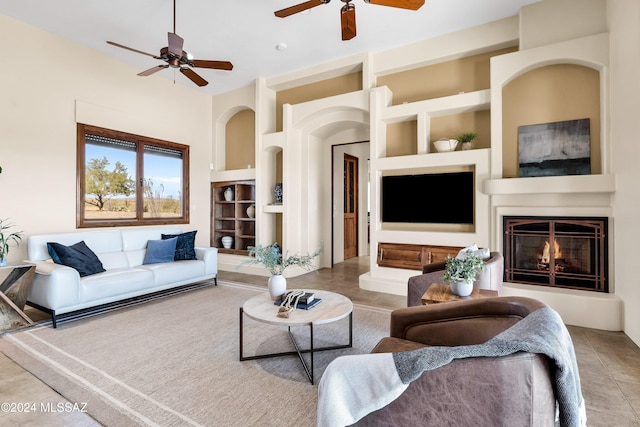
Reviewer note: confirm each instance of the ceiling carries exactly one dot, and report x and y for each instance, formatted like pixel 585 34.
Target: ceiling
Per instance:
pixel 247 32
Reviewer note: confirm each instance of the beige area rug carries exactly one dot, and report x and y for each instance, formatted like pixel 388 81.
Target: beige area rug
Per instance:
pixel 174 361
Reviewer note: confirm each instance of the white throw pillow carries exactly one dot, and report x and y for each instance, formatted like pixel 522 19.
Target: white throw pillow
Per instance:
pixel 463 252
pixel 483 253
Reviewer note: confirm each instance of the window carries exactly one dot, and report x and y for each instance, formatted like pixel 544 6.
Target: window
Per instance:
pixel 126 179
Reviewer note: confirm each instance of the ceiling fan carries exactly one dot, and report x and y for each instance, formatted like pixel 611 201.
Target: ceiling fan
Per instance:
pixel 348 11
pixel 175 57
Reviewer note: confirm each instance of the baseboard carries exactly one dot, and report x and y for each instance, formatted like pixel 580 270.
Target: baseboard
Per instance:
pixel 383 284
pixel 587 309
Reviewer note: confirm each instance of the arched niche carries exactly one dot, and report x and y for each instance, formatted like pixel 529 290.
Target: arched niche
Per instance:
pixel 546 94
pixel 587 55
pixel 240 142
pixel 234 134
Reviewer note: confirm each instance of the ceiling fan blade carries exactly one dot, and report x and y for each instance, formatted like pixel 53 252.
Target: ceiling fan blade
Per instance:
pixel 402 4
pixel 283 13
pixel 193 76
pixel 348 21
pixel 175 44
pixel 132 49
pixel 216 65
pixel 153 70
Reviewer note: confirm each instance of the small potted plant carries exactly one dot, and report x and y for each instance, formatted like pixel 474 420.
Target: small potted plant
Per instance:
pixel 461 272
pixel 272 258
pixel 6 239
pixel 467 140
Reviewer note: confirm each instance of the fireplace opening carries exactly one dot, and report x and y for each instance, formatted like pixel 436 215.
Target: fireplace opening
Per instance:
pixel 562 252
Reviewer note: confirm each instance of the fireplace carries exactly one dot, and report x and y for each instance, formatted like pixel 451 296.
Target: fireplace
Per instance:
pixel 561 252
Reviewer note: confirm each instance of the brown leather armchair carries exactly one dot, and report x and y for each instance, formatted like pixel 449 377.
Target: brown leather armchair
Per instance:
pixel 489 278
pixel 514 390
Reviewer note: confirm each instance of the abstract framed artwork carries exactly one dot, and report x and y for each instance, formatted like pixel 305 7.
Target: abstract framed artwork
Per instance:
pixel 554 149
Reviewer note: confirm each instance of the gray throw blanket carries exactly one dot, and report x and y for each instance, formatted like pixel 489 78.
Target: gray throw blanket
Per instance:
pixel 344 395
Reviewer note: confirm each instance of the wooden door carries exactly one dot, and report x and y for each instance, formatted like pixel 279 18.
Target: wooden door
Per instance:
pixel 350 206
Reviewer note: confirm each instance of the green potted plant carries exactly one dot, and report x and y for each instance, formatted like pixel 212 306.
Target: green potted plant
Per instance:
pixel 461 272
pixel 6 239
pixel 272 258
pixel 467 140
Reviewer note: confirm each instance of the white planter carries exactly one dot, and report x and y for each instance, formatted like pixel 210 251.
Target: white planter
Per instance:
pixel 462 289
pixel 277 285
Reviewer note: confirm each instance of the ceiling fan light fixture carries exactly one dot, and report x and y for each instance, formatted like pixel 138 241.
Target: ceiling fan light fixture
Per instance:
pixel 402 4
pixel 176 57
pixel 348 20
pixel 348 11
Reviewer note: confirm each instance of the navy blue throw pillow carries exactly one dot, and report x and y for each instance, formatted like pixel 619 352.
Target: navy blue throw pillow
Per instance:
pixel 78 256
pixel 52 253
pixel 185 248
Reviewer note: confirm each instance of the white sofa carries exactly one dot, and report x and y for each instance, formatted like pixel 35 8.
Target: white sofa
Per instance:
pixel 58 289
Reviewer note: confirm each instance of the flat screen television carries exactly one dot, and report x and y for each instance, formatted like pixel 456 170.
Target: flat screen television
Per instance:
pixel 430 198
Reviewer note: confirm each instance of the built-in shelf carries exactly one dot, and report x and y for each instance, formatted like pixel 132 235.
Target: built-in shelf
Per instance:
pixel 571 184
pixel 452 158
pixel 437 107
pixel 231 217
pixel 273 208
pixel 233 175
pixel 275 139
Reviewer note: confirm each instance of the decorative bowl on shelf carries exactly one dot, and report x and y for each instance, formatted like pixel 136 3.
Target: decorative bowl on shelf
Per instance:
pixel 444 144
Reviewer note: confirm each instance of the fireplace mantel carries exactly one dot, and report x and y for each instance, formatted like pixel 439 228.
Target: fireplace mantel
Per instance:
pixel 572 184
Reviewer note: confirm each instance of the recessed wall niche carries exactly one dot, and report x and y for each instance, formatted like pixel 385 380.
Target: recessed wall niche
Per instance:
pixel 446 78
pixel 240 142
pixel 453 125
pixel 402 138
pixel 549 94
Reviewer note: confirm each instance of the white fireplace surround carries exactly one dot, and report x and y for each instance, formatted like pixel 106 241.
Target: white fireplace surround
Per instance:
pixel 577 195
pixel 580 308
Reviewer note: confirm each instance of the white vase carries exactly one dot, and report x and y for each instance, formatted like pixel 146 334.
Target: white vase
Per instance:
pixel 228 194
pixel 277 285
pixel 462 289
pixel 251 211
pixel 227 241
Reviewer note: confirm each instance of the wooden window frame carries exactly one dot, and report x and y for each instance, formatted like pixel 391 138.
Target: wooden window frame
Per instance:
pixel 140 141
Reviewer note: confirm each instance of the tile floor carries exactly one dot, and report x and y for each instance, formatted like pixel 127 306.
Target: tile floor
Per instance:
pixel 609 362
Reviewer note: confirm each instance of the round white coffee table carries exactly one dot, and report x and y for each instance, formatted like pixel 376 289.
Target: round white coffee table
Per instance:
pixel 332 308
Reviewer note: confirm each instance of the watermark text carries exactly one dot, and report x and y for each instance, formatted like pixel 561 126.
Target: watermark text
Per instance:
pixel 43 407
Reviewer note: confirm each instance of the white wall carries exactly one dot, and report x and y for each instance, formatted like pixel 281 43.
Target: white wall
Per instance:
pixel 48 85
pixel 624 28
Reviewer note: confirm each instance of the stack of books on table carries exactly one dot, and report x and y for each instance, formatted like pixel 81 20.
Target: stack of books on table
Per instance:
pixel 305 302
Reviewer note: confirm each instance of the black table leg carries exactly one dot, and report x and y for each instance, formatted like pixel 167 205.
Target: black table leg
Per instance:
pixel 298 351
